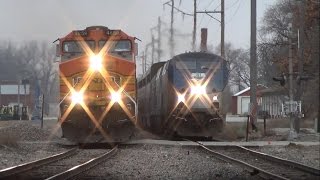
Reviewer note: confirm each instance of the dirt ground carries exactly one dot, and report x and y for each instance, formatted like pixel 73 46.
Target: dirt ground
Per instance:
pixel 276 130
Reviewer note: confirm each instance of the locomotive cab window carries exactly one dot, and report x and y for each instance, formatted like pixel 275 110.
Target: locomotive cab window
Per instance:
pixel 121 48
pixel 186 65
pixel 77 46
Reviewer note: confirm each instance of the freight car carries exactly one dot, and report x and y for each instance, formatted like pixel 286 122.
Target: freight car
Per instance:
pixel 183 96
pixel 97 85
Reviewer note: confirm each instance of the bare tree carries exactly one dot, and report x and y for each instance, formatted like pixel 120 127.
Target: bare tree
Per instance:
pixel 238 59
pixel 34 61
pixel 273 46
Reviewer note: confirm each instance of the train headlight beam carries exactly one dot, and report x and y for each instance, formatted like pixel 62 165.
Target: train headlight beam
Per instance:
pixel 116 97
pixel 181 98
pixel 198 89
pixel 215 98
pixel 77 98
pixel 96 62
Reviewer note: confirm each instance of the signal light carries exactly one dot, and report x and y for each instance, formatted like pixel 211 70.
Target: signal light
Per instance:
pixel 281 79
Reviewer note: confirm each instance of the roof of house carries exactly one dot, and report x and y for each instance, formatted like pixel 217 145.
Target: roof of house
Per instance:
pixel 248 89
pixel 276 89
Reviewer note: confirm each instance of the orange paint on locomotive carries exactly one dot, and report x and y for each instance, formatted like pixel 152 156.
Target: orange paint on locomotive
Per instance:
pixel 117 69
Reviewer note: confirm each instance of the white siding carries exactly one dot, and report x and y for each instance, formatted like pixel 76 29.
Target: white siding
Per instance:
pixel 13 89
pixel 242 104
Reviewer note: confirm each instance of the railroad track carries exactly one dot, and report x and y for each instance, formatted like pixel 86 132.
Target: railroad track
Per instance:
pixel 60 166
pixel 263 165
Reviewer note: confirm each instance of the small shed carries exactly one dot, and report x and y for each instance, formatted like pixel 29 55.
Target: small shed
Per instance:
pixel 241 100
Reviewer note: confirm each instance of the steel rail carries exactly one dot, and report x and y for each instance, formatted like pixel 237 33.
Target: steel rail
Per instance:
pixel 293 164
pixel 76 170
pixel 14 170
pixel 262 173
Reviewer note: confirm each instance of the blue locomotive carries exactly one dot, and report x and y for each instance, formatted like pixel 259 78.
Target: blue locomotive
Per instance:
pixel 183 95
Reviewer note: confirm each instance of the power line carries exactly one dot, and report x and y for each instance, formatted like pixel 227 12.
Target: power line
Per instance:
pixel 235 12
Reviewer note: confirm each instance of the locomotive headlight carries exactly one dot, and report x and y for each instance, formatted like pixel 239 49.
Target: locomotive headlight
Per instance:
pixel 181 98
pixel 77 98
pixel 198 90
pixel 96 62
pixel 116 96
pixel 215 98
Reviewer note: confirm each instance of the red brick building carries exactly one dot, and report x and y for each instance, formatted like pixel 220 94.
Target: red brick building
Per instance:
pixel 241 100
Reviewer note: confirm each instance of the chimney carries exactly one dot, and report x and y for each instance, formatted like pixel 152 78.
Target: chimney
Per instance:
pixel 204 34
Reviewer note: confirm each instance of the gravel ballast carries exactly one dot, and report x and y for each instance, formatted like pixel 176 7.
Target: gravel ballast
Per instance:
pixel 23 153
pixel 309 155
pixel 25 141
pixel 165 162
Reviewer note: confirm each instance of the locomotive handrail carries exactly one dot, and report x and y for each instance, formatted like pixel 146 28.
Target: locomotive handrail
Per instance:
pixel 126 93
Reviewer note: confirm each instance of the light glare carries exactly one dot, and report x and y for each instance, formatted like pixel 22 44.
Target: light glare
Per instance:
pixel 77 98
pixel 96 62
pixel 181 98
pixel 116 97
pixel 198 90
pixel 215 98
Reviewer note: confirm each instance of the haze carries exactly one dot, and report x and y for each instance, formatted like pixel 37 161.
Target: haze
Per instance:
pixel 50 19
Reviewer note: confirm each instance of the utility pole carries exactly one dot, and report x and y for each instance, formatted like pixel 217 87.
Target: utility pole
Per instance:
pixel 253 65
pixel 152 49
pixel 194 25
pixel 221 21
pixel 292 133
pixel 146 56
pixel 301 58
pixel 159 39
pixel 142 57
pixel 19 83
pixel 222 29
pixel 171 30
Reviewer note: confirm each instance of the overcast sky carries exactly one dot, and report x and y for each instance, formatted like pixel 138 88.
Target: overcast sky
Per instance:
pixel 51 19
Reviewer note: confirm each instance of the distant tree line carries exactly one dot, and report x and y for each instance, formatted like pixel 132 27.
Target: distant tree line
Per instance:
pixel 34 61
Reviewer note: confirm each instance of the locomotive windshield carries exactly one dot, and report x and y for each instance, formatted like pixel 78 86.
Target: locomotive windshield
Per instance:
pixel 121 48
pixel 193 65
pixel 77 46
pixel 199 68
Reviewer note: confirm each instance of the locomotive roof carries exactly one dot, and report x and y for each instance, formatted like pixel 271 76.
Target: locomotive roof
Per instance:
pixel 84 32
pixel 153 70
pixel 198 55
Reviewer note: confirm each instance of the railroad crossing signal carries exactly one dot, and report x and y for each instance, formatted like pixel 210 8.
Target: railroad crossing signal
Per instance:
pixel 281 79
pixel 291 107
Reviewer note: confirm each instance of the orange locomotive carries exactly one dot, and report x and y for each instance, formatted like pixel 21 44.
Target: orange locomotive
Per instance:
pixel 97 85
